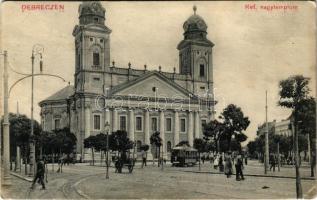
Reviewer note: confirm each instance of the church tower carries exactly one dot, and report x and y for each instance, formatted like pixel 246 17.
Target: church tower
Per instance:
pixel 92 48
pixel 195 54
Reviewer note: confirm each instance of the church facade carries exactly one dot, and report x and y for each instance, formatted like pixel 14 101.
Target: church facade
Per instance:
pixel 139 101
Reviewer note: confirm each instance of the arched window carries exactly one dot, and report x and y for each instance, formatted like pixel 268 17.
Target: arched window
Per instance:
pixel 138 145
pixel 169 146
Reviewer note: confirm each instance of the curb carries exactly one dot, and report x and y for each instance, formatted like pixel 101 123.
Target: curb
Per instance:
pixel 256 175
pixel 21 177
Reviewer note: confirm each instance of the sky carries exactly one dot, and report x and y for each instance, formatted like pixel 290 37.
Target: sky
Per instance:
pixel 254 49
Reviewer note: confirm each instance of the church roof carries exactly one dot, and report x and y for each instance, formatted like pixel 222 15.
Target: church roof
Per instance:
pixel 62 94
pixel 91 8
pixel 122 86
pixel 195 23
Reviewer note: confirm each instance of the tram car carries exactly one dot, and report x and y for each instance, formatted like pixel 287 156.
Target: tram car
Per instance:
pixel 184 156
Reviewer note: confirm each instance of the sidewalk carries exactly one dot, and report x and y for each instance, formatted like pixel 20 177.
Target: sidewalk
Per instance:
pixel 257 170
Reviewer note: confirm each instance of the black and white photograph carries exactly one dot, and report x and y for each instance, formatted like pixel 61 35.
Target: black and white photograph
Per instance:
pixel 158 99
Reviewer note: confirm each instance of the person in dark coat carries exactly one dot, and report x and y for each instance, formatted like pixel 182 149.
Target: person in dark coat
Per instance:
pixel 228 166
pixel 221 166
pixel 143 158
pixel 239 166
pixel 40 170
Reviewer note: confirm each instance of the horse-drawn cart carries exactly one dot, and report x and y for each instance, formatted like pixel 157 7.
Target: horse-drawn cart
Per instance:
pixel 124 162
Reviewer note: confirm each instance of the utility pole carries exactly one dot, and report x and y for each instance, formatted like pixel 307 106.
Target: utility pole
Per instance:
pixel 266 159
pixel 6 126
pixel 18 154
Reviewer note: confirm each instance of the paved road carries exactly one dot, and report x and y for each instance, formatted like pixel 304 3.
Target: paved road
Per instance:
pixel 84 181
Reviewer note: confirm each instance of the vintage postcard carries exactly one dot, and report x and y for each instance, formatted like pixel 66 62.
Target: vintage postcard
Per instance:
pixel 158 99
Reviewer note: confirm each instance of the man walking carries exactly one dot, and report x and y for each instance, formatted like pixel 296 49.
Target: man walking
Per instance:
pixel 239 166
pixel 40 170
pixel 143 158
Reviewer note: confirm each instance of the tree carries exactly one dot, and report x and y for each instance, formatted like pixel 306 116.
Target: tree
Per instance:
pixel 119 141
pixel 307 127
pixel 156 140
pixel 20 129
pixel 65 140
pixel 293 91
pixel 101 144
pixel 213 131
pixel 200 145
pixel 252 149
pixel 42 141
pixel 234 122
pixel 90 142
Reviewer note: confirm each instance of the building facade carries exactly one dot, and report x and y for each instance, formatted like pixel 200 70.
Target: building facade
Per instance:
pixel 282 127
pixel 138 101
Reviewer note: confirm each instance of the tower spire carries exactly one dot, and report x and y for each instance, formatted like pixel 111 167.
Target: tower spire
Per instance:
pixel 195 9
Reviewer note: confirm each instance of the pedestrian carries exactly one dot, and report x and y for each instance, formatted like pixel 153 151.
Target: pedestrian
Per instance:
pixel 216 162
pixel 212 159
pixel 40 170
pixel 143 158
pixel 221 164
pixel 239 167
pixel 203 159
pixel 228 166
pixel 272 162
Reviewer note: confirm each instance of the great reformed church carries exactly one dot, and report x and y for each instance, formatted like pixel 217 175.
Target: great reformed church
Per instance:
pixel 139 101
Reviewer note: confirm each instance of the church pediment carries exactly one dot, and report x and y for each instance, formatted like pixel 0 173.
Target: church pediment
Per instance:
pixel 153 84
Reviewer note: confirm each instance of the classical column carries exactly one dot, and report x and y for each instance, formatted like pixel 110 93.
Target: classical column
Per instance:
pixel 131 125
pixel 197 124
pixel 176 128
pixel 190 131
pixel 147 127
pixel 87 121
pixel 162 131
pixel 114 120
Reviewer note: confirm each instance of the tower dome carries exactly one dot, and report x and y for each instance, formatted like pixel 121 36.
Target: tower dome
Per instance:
pixel 195 23
pixel 91 12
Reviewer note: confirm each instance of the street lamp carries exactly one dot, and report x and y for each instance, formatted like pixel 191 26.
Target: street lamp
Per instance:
pixel 37 50
pixel 107 126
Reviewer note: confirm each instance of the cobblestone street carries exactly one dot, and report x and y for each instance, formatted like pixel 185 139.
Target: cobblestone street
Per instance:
pixel 84 181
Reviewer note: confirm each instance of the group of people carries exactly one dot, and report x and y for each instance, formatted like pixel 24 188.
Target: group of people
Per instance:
pixel 225 164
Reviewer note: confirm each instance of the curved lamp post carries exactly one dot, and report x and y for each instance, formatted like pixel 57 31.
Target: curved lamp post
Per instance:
pixel 37 51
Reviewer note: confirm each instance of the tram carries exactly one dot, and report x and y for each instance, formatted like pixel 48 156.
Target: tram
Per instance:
pixel 184 156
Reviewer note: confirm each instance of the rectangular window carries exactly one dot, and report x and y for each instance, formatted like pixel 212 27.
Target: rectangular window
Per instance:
pixel 123 123
pixel 202 70
pixel 183 125
pixel 97 122
pixel 96 59
pixel 138 123
pixel 57 123
pixel 154 124
pixel 168 124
